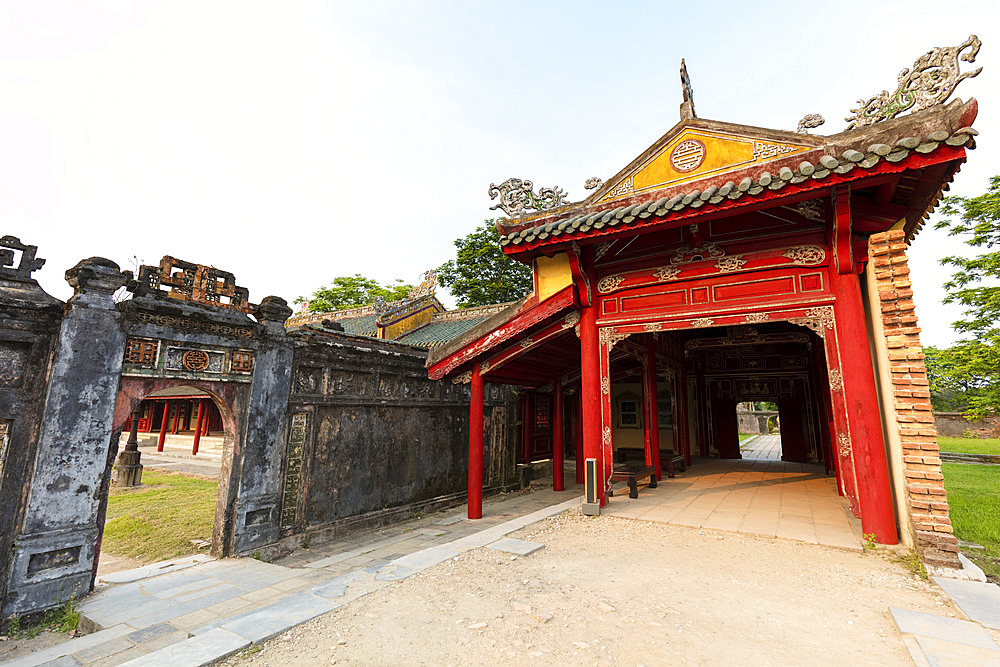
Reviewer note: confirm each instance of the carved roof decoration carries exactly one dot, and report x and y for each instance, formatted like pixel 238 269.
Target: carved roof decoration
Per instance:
pixel 930 82
pixel 197 283
pixel 834 159
pixel 27 263
pixel 517 197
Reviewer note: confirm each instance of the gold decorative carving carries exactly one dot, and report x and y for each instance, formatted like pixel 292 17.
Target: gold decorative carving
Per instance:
pixel 766 151
pixel 654 326
pixel 818 319
pixel 845 445
pixel 571 320
pixel 667 273
pixel 526 343
pixel 610 283
pixel 606 386
pixel 606 436
pixel 686 253
pixel 728 264
pixel 756 318
pixel 702 322
pixel 485 367
pixel 806 255
pixel 610 335
pixel 836 379
pixel 623 188
pixel 464 378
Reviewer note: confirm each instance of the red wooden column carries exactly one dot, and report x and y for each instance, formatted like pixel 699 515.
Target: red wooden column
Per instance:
pixel 198 425
pixel 861 403
pixel 652 415
pixel 683 430
pixel 476 445
pixel 163 426
pixel 557 437
pixel 606 340
pixel 577 435
pixel 590 393
pixel 177 417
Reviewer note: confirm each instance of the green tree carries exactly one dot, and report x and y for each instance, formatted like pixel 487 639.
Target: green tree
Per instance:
pixel 352 292
pixel 973 364
pixel 481 273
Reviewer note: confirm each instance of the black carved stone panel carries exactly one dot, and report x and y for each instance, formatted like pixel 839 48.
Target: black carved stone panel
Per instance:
pixel 13 361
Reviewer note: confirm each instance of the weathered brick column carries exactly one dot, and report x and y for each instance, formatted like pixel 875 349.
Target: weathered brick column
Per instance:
pixel 927 500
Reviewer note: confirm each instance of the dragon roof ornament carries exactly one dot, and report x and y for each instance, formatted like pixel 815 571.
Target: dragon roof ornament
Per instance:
pixel 930 81
pixel 517 197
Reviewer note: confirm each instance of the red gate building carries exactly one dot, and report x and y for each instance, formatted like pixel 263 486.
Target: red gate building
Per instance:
pixel 729 263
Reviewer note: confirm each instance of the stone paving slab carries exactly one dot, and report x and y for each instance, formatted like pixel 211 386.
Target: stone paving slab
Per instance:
pixel 938 627
pixel 980 601
pixel 516 547
pixel 276 618
pixel 195 652
pixel 942 653
pixel 72 646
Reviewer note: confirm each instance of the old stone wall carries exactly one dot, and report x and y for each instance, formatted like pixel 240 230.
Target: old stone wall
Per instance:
pixel 29 325
pixel 910 404
pixel 954 425
pixel 372 438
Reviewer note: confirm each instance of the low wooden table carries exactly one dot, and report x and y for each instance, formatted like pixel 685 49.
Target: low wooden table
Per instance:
pixel 630 475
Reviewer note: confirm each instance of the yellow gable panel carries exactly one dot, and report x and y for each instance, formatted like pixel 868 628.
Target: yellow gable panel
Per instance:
pixel 695 154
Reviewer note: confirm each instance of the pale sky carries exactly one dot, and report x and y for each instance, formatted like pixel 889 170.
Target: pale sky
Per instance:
pixel 292 142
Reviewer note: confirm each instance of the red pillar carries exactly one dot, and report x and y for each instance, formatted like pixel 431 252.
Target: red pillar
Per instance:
pixel 682 432
pixel 590 394
pixel 607 429
pixel 476 445
pixel 867 445
pixel 557 437
pixel 652 415
pixel 163 426
pixel 577 439
pixel 198 425
pixel 151 405
pixel 177 417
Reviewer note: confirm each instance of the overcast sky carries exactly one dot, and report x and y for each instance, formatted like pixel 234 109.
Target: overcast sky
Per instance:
pixel 292 142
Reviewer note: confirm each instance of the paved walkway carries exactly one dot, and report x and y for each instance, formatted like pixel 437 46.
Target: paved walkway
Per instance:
pixel 196 610
pixel 762 448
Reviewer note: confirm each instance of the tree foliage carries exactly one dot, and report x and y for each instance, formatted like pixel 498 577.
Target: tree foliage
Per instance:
pixel 354 291
pixel 481 273
pixel 971 368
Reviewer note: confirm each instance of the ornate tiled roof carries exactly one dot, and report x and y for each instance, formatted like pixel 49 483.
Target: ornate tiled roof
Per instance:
pixel 846 162
pixel 438 332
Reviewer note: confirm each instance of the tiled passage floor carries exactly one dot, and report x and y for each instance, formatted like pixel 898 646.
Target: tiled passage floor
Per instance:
pixel 773 498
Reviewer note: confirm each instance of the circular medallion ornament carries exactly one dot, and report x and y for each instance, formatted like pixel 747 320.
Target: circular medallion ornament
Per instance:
pixel 688 155
pixel 195 360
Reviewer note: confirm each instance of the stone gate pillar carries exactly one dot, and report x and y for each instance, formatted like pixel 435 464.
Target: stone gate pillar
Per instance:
pixel 55 551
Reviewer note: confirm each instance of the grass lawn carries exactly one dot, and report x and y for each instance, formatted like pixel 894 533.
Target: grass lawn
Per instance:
pixel 158 521
pixel 745 436
pixel 969 445
pixel 974 496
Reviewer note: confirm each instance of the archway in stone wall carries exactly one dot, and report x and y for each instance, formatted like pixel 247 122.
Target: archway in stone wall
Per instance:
pixel 216 462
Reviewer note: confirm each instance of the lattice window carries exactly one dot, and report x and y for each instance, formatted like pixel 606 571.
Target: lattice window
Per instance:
pixel 242 361
pixel 142 352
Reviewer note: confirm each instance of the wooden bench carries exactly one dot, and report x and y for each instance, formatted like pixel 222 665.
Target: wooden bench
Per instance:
pixel 671 463
pixel 630 475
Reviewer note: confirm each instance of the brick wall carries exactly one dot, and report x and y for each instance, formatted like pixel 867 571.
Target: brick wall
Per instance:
pixel 926 498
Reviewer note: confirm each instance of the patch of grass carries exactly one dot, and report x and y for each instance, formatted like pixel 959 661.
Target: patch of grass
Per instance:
pixel 969 445
pixel 871 541
pixel 747 436
pixel 61 619
pixel 158 521
pixel 975 511
pixel 911 561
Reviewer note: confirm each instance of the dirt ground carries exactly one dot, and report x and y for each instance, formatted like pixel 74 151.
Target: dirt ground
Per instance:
pixel 606 590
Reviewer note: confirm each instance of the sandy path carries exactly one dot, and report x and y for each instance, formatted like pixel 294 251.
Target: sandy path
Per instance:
pixel 618 591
